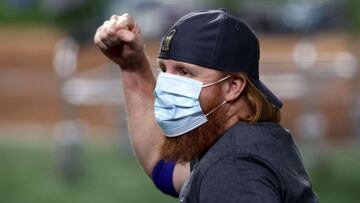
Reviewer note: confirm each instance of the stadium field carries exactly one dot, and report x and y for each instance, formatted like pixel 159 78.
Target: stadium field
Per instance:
pixel 29 173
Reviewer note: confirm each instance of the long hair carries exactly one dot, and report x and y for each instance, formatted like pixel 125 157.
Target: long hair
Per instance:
pixel 261 108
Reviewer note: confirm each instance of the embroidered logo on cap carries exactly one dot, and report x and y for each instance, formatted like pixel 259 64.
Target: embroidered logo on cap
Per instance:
pixel 165 46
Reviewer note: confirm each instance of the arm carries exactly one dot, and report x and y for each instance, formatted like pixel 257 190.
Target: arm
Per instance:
pixel 239 180
pixel 120 40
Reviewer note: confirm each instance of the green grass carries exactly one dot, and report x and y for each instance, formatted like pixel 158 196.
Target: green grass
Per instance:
pixel 29 174
pixel 337 178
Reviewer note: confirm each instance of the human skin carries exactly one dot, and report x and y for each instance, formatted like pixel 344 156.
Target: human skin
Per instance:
pixel 120 40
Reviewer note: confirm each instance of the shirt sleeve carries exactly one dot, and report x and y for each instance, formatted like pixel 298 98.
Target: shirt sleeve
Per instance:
pixel 240 180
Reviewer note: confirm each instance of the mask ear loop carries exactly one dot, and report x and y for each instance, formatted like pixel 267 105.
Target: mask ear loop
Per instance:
pixel 213 83
pixel 216 108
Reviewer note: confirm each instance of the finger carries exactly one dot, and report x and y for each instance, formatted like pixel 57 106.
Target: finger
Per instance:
pixel 101 38
pixel 107 31
pixel 131 21
pixel 111 34
pixel 99 28
pixel 114 17
pixel 136 29
pixel 104 26
pixel 105 22
pixel 125 35
pixel 125 22
pixel 97 34
pixel 111 27
pixel 108 28
pixel 102 46
pixel 114 40
pixel 121 24
pixel 105 39
pixel 99 43
pixel 108 34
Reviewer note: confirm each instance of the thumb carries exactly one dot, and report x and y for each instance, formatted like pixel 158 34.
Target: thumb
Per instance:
pixel 130 38
pixel 125 35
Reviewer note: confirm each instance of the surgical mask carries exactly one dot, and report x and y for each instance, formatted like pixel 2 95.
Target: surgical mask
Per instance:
pixel 177 107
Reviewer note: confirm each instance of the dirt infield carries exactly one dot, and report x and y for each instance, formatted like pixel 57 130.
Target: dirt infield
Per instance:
pixel 29 88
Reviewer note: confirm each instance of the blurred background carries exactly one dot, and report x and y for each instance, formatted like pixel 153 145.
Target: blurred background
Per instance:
pixel 63 128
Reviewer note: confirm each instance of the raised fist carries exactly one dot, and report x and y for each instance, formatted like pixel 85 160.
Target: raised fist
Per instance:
pixel 119 38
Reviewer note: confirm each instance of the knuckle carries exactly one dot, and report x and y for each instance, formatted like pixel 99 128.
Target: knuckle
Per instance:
pixel 102 36
pixel 105 30
pixel 99 29
pixel 111 32
pixel 121 24
pixel 122 19
pixel 106 22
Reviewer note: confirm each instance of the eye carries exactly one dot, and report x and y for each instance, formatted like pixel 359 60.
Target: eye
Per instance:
pixel 184 72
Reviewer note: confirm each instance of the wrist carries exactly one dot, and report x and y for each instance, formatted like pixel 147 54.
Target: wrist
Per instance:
pixel 136 64
pixel 138 76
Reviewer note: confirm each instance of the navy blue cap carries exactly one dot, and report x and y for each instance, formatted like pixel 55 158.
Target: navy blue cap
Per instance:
pixel 216 40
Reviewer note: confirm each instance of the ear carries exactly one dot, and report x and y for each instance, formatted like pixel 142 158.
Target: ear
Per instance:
pixel 236 86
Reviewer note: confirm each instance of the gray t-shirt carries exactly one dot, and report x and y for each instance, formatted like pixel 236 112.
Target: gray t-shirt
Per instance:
pixel 250 163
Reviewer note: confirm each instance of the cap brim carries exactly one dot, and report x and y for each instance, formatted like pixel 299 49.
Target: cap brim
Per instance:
pixel 269 95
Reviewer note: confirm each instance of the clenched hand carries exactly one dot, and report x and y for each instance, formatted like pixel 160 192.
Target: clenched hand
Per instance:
pixel 119 38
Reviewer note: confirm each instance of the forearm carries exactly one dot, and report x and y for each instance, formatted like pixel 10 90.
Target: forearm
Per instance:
pixel 119 38
pixel 146 136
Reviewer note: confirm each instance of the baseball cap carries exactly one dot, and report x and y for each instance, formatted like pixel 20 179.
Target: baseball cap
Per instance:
pixel 217 40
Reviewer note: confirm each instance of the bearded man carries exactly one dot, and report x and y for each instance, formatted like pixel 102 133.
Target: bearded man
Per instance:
pixel 208 129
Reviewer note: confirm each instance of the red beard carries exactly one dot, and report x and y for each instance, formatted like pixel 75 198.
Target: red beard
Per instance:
pixel 196 143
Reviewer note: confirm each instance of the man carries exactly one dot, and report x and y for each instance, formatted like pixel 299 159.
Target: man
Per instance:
pixel 212 108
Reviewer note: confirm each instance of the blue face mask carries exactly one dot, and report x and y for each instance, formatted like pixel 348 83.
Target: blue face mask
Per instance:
pixel 177 107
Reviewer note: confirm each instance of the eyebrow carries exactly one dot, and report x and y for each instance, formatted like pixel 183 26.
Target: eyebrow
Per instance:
pixel 180 65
